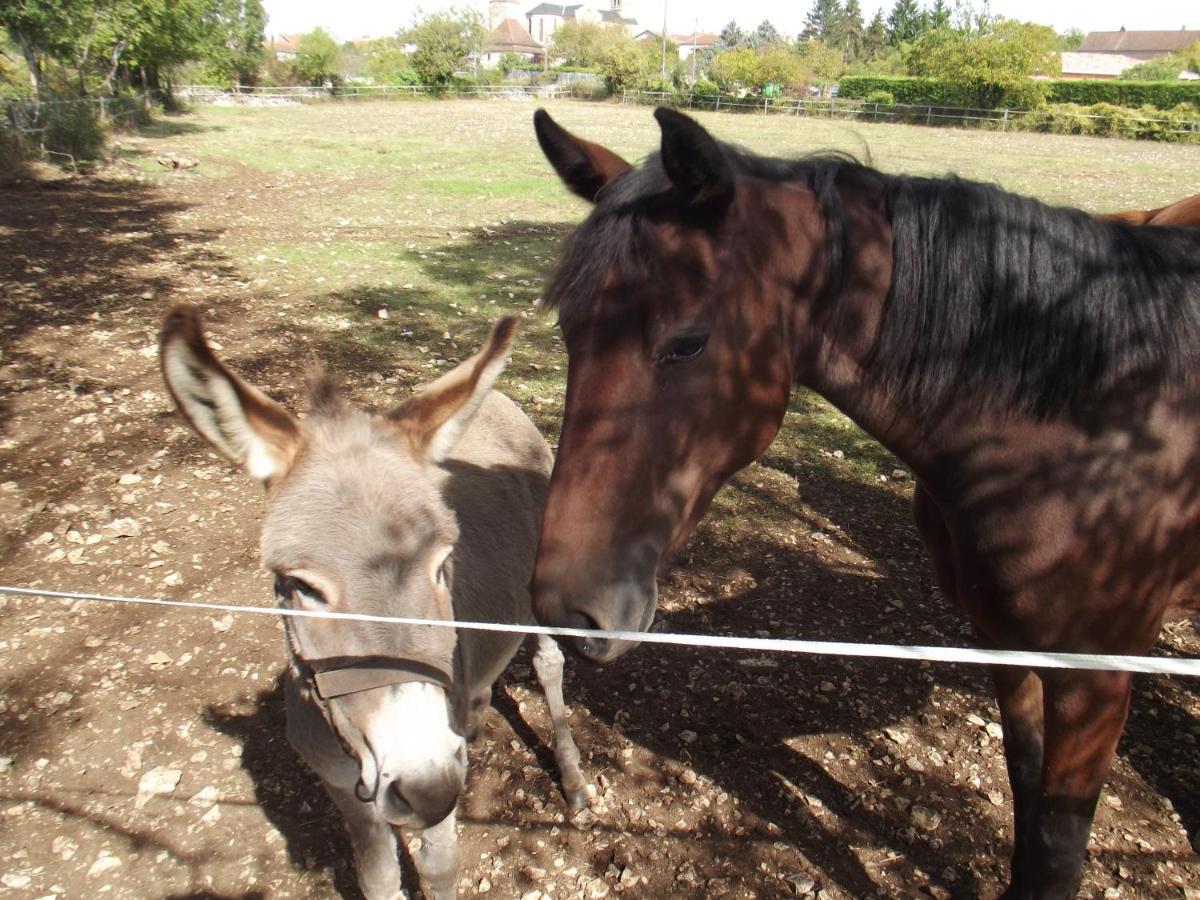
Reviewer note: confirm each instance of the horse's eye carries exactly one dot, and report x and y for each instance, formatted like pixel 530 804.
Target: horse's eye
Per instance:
pixel 287 585
pixel 684 348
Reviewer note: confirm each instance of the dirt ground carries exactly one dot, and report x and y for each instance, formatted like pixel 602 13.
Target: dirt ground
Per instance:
pixel 142 751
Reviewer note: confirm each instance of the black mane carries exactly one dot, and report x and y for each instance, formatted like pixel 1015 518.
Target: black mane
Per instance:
pixel 994 295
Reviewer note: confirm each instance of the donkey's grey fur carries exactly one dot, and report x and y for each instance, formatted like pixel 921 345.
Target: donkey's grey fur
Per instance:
pixel 359 516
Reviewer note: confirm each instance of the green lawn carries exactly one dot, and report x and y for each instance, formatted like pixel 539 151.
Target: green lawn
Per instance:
pixel 445 214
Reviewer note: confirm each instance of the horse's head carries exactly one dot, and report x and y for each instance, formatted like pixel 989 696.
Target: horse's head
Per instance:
pixel 355 523
pixel 670 298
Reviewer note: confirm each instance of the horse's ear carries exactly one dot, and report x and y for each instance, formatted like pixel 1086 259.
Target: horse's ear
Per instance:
pixel 583 166
pixel 435 418
pixel 241 422
pixel 694 161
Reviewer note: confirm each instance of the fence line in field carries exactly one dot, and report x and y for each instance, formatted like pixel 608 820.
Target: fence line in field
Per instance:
pixel 299 94
pixel 27 117
pixel 860 110
pixel 1025 659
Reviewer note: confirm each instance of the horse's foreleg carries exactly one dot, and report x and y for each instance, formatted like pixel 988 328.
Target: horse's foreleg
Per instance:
pixel 548 662
pixel 1084 716
pixel 1019 694
pixel 437 860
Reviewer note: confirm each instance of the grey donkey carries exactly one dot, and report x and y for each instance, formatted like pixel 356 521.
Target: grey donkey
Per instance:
pixel 430 510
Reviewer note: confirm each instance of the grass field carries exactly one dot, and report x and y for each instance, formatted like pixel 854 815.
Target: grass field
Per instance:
pixel 717 774
pixel 449 214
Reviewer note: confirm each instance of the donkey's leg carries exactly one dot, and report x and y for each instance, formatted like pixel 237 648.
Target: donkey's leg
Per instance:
pixel 1019 694
pixel 1084 716
pixel 437 860
pixel 373 839
pixel 548 662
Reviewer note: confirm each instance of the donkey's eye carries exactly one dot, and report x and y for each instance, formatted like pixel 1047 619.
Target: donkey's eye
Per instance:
pixel 684 348
pixel 287 586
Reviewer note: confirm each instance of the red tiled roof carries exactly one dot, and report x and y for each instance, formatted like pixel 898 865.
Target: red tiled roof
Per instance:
pixel 510 35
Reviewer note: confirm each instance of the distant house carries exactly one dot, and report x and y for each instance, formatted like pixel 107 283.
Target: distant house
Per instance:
pixel 510 36
pixel 1141 45
pixel 689 44
pixel 1095 65
pixel 1107 54
pixel 546 18
pixel 283 46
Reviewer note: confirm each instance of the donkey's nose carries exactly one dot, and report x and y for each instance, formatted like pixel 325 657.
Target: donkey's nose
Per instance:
pixel 432 795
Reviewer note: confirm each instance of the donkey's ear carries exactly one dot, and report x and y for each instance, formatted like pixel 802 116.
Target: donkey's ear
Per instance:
pixel 436 417
pixel 583 166
pixel 694 161
pixel 241 422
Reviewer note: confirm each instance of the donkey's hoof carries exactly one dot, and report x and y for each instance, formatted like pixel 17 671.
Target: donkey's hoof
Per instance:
pixel 576 800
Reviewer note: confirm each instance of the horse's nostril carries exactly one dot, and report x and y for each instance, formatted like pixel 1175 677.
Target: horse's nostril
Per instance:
pixel 593 649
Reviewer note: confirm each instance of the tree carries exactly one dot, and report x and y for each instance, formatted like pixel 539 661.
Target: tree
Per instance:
pixel 1166 68
pixel 855 33
pixel 387 62
pixel 875 37
pixel 938 16
pixel 825 62
pixel 237 54
pixel 750 69
pixel 44 30
pixel 583 43
pixel 444 42
pixel 766 35
pixel 730 38
pixel 317 57
pixel 778 65
pixel 997 65
pixel 824 22
pixel 905 23
pixel 1071 39
pixel 629 64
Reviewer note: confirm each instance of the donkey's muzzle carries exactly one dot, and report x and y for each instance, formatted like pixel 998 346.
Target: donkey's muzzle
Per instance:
pixel 424 800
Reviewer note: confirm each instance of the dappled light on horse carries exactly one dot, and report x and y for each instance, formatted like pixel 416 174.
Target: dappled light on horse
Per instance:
pixel 1033 366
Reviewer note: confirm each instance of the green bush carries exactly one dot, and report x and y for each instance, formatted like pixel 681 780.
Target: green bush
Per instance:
pixel 907 90
pixel 73 128
pixel 658 85
pixel 880 98
pixel 12 154
pixel 1144 124
pixel 589 90
pixel 705 88
pixel 1163 95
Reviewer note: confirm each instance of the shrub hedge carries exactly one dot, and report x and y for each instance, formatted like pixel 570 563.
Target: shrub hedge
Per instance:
pixel 1163 95
pixel 1159 94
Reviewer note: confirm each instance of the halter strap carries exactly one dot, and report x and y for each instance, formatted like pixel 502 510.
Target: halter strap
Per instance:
pixel 343 675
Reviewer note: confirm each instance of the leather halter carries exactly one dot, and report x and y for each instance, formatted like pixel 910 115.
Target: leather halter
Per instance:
pixel 341 675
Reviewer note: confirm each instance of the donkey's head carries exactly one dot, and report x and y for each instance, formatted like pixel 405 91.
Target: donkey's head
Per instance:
pixel 355 523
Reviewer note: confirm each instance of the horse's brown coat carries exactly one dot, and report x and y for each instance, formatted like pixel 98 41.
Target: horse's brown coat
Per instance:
pixel 1056 528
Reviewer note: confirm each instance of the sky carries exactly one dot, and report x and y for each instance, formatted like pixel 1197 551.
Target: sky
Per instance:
pixel 348 19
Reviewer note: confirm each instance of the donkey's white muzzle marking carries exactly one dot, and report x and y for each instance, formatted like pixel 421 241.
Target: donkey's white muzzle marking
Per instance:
pixel 421 762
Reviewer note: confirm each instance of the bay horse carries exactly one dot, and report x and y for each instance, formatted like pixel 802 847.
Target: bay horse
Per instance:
pixel 429 510
pixel 1038 371
pixel 1185 212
